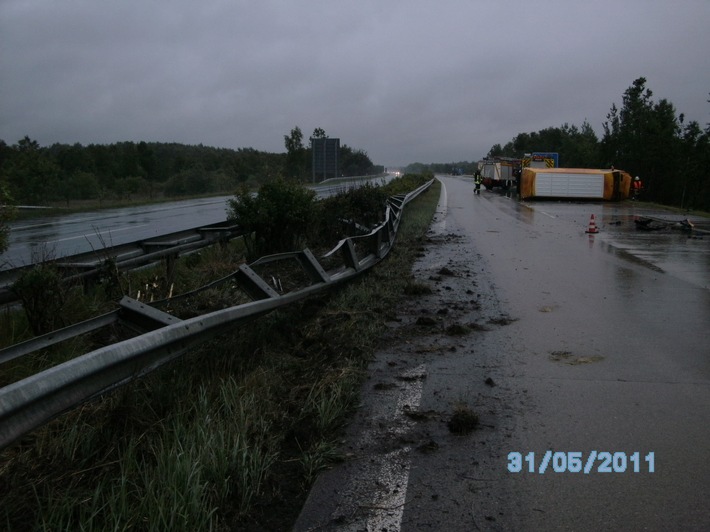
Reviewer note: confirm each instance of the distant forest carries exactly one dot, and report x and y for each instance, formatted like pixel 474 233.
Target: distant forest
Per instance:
pixel 36 175
pixel 645 138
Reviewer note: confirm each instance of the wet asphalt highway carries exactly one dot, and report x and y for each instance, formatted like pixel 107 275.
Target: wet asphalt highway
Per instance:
pixel 633 309
pixel 60 235
pixel 603 348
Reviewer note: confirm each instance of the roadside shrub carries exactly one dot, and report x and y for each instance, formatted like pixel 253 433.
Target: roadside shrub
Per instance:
pixel 406 183
pixel 7 213
pixel 276 220
pixel 342 214
pixel 43 297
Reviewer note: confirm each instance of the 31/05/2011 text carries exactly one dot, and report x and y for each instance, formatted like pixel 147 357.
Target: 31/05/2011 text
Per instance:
pixel 577 462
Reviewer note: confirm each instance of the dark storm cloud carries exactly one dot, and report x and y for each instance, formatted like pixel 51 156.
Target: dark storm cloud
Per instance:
pixel 404 80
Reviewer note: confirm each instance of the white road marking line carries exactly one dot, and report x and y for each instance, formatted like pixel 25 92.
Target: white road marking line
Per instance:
pixel 439 225
pixel 387 507
pixel 394 478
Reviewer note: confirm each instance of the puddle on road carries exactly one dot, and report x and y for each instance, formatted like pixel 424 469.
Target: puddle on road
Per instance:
pixel 629 255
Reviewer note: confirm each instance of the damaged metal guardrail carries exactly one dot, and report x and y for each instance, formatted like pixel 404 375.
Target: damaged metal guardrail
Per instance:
pixel 33 401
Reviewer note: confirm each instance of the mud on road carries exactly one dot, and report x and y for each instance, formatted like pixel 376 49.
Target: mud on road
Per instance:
pixel 435 410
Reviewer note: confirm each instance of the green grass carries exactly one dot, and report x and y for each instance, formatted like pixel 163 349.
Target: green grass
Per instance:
pixel 229 437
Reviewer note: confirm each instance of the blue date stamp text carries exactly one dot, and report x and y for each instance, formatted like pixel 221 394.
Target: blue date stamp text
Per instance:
pixel 579 462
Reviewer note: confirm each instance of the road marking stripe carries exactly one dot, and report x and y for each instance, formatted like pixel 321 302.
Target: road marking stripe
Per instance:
pixel 439 226
pixel 392 478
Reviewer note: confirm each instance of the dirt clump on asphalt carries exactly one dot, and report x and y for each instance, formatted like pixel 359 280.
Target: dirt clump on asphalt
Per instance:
pixel 463 420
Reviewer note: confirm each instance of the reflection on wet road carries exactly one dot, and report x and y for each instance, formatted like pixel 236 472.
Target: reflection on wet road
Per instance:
pixel 667 249
pixel 58 236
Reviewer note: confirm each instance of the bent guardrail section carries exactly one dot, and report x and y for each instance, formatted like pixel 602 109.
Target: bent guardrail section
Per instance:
pixel 31 402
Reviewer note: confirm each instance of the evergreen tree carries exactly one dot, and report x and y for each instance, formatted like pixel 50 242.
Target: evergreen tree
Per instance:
pixel 295 154
pixel 30 173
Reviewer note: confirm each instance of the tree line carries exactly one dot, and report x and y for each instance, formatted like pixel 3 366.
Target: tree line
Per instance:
pixel 644 137
pixel 36 175
pixel 456 168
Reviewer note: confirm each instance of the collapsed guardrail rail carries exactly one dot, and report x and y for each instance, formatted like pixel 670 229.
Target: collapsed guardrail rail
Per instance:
pixel 35 400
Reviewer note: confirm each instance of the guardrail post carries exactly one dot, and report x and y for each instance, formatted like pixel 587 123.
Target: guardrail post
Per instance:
pixel 252 284
pixel 350 256
pixel 144 317
pixel 312 267
pixel 170 267
pixel 377 246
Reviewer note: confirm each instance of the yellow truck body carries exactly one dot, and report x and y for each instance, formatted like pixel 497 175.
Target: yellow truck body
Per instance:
pixel 574 183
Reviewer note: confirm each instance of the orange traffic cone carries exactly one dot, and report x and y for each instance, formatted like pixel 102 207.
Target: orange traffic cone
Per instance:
pixel 592 226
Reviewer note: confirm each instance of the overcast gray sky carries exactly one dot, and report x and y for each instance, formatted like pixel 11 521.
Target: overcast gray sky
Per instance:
pixel 404 80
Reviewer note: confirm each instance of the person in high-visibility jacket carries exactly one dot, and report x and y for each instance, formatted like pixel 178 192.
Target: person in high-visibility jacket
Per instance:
pixel 636 186
pixel 477 180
